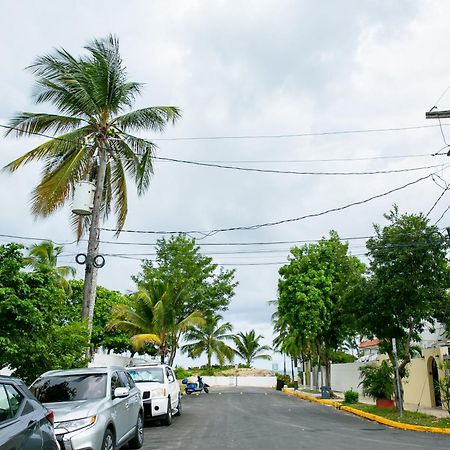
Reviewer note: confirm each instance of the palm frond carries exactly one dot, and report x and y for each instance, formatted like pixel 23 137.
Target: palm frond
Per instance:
pixel 154 118
pixel 139 341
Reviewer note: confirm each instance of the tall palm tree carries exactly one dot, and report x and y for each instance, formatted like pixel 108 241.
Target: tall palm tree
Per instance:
pixel 152 320
pixel 248 348
pixel 44 256
pixel 92 139
pixel 210 339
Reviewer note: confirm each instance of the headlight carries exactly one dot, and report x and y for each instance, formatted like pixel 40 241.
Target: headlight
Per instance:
pixel 160 392
pixel 73 425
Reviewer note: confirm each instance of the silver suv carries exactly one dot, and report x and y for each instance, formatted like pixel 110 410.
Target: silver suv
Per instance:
pixel 95 408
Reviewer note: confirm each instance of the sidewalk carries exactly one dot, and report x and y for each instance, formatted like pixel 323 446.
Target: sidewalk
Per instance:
pixel 437 412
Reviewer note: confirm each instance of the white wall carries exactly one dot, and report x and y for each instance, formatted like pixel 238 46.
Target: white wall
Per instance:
pixel 103 359
pixel 241 381
pixel 346 376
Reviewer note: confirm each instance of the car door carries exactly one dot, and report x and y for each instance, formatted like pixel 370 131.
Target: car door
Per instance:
pixel 120 408
pixel 19 427
pixel 133 404
pixel 173 387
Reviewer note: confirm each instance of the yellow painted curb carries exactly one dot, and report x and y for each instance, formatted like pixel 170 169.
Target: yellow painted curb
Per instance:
pixel 375 418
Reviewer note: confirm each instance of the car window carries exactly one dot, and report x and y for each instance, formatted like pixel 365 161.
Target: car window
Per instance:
pixel 169 374
pixel 15 398
pixel 147 375
pixel 124 380
pixel 5 410
pixel 115 383
pixel 65 388
pixel 130 380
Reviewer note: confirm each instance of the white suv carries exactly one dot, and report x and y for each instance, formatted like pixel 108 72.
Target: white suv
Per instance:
pixel 160 391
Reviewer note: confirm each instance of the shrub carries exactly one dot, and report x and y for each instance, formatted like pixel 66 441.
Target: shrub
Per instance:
pixel 181 373
pixel 351 396
pixel 342 358
pixel 378 381
pixel 285 378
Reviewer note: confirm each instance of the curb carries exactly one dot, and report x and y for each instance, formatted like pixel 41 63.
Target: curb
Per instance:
pixel 365 415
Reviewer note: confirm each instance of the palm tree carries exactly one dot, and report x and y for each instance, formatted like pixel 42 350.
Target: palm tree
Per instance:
pixel 248 348
pixel 44 257
pixel 91 139
pixel 209 339
pixel 152 320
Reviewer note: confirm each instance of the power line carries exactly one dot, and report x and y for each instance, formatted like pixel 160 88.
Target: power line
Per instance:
pixel 278 222
pixel 437 201
pixel 297 135
pixel 442 215
pixel 292 172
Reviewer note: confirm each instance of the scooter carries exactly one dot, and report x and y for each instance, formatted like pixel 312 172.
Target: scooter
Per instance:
pixel 195 387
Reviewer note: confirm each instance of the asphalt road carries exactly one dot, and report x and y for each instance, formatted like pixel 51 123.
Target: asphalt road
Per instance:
pixel 264 419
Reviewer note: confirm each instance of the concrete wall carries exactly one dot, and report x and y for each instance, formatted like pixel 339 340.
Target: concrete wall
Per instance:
pixel 241 381
pixel 103 359
pixel 346 376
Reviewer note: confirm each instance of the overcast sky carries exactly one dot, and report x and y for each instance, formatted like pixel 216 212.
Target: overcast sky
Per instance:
pixel 249 69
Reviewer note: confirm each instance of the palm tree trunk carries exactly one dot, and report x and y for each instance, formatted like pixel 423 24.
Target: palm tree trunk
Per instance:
pixel 90 273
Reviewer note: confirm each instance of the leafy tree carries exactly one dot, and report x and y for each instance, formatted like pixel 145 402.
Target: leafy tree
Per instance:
pixel 92 95
pixel 180 264
pixel 408 283
pixel 248 347
pixel 44 256
pixel 209 339
pixel 151 319
pixel 35 337
pixel 311 291
pixel 102 336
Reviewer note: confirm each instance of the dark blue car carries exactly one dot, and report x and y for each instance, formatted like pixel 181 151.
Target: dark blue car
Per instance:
pixel 24 422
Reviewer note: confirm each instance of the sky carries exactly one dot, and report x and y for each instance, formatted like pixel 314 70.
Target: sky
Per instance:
pixel 265 84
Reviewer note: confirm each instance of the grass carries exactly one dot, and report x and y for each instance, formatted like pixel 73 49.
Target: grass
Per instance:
pixel 310 391
pixel 410 417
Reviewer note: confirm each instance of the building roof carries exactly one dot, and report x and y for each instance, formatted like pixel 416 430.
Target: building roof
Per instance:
pixel 367 344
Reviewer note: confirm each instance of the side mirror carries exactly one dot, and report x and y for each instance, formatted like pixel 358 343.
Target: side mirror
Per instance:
pixel 121 392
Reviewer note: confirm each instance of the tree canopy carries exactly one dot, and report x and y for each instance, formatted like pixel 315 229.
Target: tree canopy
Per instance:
pixel 35 336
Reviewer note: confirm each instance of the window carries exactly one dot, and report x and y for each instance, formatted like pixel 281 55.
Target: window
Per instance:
pixel 5 410
pixel 66 388
pixel 169 374
pixel 115 383
pixel 15 399
pixel 130 380
pixel 124 380
pixel 147 375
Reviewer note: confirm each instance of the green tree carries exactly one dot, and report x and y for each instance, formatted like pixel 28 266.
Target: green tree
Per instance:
pixel 92 95
pixel 407 287
pixel 102 336
pixel 179 263
pixel 35 337
pixel 44 256
pixel 248 347
pixel 311 292
pixel 151 319
pixel 209 339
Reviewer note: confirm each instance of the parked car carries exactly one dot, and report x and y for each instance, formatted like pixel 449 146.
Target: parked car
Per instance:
pixel 95 408
pixel 160 391
pixel 24 422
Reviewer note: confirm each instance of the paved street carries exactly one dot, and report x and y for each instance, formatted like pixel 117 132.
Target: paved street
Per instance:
pixel 265 419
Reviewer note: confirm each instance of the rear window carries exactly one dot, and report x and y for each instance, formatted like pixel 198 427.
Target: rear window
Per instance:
pixel 147 375
pixel 70 388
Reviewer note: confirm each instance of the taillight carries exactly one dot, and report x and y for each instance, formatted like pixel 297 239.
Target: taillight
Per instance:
pixel 50 417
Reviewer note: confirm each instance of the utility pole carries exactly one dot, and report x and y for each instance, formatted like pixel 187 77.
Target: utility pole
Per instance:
pixel 433 113
pixel 397 378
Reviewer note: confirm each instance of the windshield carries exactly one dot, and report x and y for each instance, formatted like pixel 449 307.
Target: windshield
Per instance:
pixel 70 388
pixel 147 374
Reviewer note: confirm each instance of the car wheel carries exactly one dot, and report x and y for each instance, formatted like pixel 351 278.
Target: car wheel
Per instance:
pixel 178 413
pixel 167 420
pixel 108 440
pixel 138 440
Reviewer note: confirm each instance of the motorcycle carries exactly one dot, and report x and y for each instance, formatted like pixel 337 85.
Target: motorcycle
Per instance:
pixel 195 387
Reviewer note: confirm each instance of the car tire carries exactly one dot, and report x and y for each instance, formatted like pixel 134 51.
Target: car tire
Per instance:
pixel 178 413
pixel 167 419
pixel 138 440
pixel 109 440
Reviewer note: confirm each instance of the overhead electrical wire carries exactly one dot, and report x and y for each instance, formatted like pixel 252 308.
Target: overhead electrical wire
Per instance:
pixel 293 172
pixel 278 222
